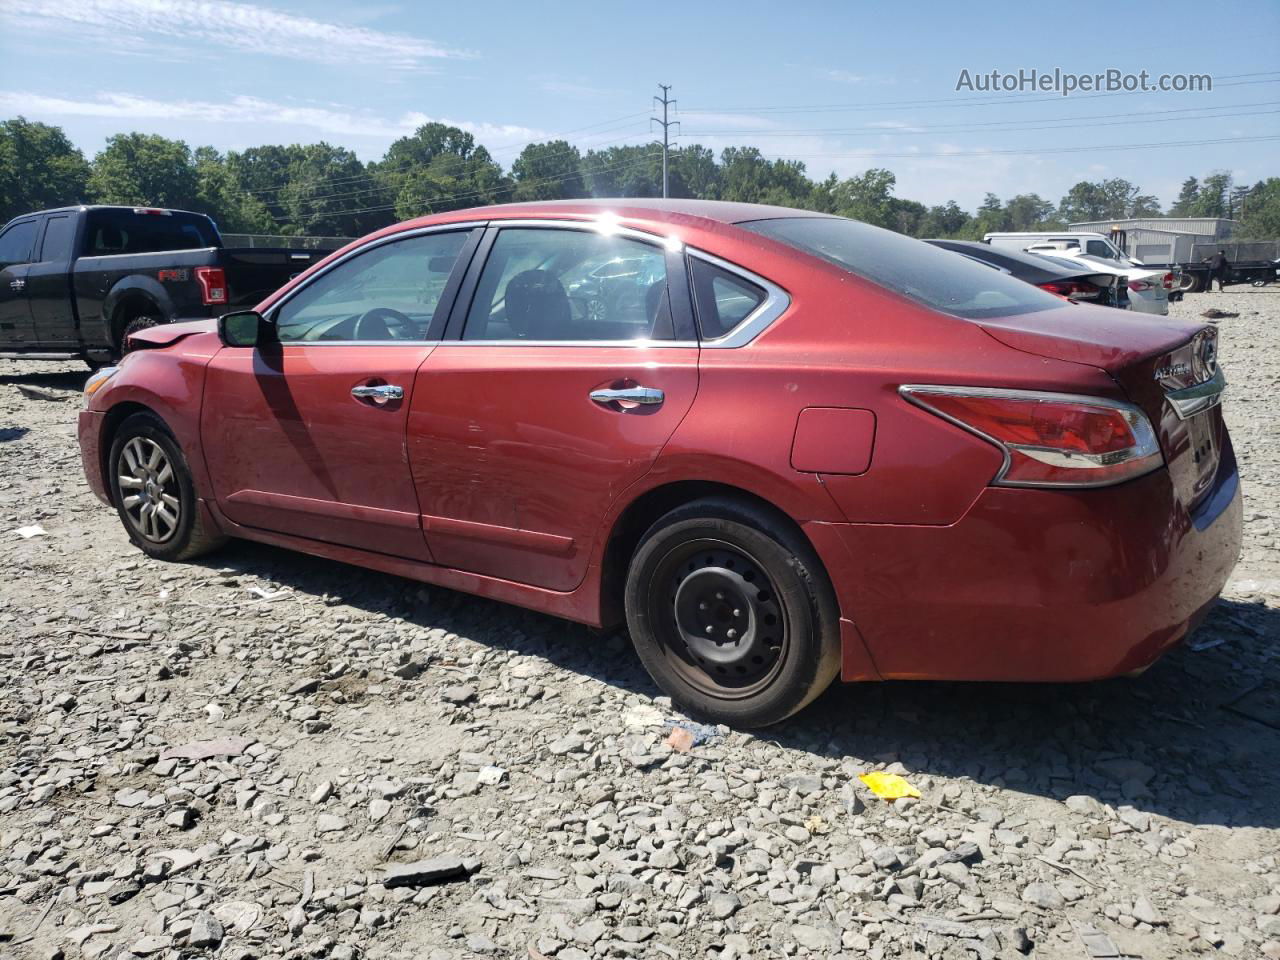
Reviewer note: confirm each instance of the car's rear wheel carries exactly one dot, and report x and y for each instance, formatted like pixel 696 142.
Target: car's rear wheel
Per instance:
pixel 731 613
pixel 152 489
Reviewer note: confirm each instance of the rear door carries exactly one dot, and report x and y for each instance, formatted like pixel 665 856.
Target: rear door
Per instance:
pixel 306 435
pixel 553 393
pixel 49 282
pixel 16 245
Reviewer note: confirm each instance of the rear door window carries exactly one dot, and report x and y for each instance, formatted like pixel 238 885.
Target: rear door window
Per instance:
pixel 543 284
pixel 59 232
pixel 16 243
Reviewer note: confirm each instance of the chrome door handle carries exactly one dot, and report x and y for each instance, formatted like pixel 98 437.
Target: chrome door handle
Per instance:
pixel 17 284
pixel 642 395
pixel 383 393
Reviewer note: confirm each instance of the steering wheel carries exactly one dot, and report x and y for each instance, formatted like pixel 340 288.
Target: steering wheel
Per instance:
pixel 373 325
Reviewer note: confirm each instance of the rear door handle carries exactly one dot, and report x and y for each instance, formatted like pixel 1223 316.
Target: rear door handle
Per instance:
pixel 17 284
pixel 383 393
pixel 642 395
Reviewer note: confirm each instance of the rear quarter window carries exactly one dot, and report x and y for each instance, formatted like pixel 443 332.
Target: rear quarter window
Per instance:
pixel 940 279
pixel 723 299
pixel 113 232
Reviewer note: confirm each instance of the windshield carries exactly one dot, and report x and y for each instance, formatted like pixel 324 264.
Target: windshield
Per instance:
pixel 937 278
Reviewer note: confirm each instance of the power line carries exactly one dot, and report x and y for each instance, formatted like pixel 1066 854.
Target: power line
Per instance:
pixel 1024 126
pixel 984 124
pixel 666 125
pixel 1026 152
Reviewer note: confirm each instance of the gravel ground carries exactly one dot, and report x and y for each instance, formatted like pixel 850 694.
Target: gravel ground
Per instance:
pixel 387 770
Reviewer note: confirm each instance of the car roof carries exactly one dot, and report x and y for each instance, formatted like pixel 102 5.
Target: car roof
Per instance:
pixel 639 208
pixel 1001 255
pixel 76 207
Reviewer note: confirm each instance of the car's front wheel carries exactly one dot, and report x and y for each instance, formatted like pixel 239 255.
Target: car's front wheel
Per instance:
pixel 731 613
pixel 153 492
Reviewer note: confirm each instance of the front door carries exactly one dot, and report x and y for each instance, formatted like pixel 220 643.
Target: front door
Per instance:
pixel 306 435
pixel 16 245
pixel 565 382
pixel 49 283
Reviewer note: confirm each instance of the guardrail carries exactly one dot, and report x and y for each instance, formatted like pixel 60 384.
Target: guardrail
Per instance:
pixel 252 240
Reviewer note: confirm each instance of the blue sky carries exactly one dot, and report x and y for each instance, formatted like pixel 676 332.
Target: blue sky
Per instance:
pixel 841 86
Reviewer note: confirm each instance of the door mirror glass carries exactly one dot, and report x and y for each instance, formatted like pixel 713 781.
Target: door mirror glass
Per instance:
pixel 241 329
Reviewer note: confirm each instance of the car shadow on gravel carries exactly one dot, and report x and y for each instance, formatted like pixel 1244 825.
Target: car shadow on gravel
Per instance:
pixel 53 379
pixel 1168 742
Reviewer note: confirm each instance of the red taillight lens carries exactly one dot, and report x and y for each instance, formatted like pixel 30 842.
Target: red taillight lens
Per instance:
pixel 1072 290
pixel 213 285
pixel 1168 281
pixel 1140 285
pixel 1050 439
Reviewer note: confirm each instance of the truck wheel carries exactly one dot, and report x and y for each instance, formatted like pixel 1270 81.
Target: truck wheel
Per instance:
pixel 153 491
pixel 732 614
pixel 136 325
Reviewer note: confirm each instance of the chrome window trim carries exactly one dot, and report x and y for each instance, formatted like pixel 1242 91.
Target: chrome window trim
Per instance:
pixel 773 306
pixel 273 312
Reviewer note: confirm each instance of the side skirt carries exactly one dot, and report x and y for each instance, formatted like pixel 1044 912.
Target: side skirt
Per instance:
pixel 581 605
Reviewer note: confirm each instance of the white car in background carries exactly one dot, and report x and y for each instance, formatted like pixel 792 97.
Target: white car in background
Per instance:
pixel 1148 289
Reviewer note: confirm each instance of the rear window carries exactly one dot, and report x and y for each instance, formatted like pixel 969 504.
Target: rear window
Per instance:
pixel 936 278
pixel 112 232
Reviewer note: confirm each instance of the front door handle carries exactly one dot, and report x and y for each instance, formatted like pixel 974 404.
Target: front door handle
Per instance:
pixel 17 284
pixel 383 393
pixel 642 395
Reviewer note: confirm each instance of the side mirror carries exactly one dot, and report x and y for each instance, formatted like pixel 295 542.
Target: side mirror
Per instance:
pixel 244 328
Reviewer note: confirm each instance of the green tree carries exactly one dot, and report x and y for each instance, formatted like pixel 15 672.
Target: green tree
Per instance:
pixel 1186 198
pixel 631 171
pixel 1211 201
pixel 439 168
pixel 868 197
pixel 747 176
pixel 693 172
pixel 330 193
pixel 945 221
pixel 1027 211
pixel 1114 199
pixel 992 217
pixel 222 197
pixel 548 171
pixel 39 168
pixel 145 168
pixel 1261 214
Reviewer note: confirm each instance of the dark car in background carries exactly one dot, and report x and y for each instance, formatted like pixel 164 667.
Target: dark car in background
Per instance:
pixel 77 281
pixel 1071 280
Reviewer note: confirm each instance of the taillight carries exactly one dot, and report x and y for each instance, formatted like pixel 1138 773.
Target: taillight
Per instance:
pixel 213 285
pixel 1140 285
pixel 1072 290
pixel 1168 281
pixel 1050 439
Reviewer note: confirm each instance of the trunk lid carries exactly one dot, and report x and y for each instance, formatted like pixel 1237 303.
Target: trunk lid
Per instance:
pixel 1149 357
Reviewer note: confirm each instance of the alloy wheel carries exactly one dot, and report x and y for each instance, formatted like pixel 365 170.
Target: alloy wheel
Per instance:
pixel 149 489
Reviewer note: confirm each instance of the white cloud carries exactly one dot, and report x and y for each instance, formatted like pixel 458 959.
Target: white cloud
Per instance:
pixel 854 79
pixel 329 120
pixel 240 26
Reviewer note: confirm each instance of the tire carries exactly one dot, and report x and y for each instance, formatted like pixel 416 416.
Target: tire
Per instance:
pixel 732 614
pixel 145 461
pixel 136 324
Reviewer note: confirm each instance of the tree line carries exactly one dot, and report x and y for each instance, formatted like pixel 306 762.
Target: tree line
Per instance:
pixel 320 189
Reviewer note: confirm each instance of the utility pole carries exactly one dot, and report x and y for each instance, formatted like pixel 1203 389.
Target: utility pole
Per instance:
pixel 667 124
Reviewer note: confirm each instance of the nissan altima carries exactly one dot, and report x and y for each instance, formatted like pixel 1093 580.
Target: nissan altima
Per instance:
pixel 799 448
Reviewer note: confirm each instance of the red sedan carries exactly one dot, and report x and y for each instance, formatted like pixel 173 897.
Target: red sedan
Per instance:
pixel 781 446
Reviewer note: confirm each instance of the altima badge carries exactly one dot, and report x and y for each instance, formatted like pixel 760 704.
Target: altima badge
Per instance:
pixel 1173 370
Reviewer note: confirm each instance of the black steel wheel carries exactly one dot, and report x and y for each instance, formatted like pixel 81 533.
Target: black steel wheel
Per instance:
pixel 731 613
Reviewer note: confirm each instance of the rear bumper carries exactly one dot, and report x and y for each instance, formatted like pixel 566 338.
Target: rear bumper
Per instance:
pixel 89 429
pixel 1034 585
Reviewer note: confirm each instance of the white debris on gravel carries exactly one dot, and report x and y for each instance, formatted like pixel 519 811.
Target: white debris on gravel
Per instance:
pixel 371 768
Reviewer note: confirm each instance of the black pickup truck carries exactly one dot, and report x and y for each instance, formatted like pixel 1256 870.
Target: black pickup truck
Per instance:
pixel 76 281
